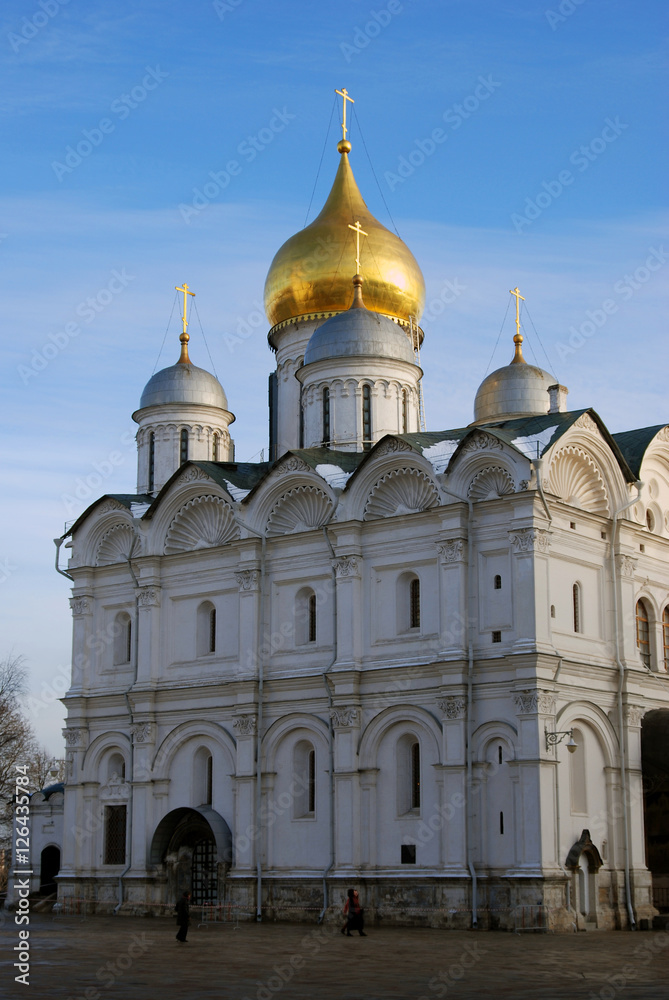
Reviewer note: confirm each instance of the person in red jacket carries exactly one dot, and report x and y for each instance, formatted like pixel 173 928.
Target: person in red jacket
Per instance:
pixel 354 914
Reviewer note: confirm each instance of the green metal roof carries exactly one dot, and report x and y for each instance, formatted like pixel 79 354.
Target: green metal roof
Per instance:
pixel 634 444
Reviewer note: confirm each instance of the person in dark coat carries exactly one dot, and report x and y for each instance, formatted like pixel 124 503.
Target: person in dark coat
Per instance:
pixel 183 916
pixel 354 914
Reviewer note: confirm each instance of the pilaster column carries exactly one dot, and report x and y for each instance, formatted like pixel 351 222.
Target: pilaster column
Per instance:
pixel 349 614
pixel 143 739
pixel 346 720
pixel 530 589
pixel 247 832
pixel 148 633
pixel 454 781
pixel 626 568
pixel 82 606
pixel 537 768
pixel 249 582
pixel 453 597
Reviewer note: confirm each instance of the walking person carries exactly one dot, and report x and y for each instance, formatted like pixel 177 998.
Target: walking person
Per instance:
pixel 183 916
pixel 354 914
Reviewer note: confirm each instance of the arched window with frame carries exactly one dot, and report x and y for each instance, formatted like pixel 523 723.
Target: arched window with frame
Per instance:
pixel 206 629
pixel 203 777
pixel 643 632
pixel 306 618
pixel 183 446
pixel 215 447
pixel 665 636
pixel 366 417
pixel 577 609
pixel 408 603
pixel 116 766
pixel 408 774
pixel 304 763
pixel 405 411
pixel 577 774
pixel 122 639
pixel 414 603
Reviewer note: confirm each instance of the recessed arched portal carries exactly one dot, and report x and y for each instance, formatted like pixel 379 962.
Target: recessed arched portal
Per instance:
pixel 49 868
pixel 194 846
pixel 654 741
pixel 584 860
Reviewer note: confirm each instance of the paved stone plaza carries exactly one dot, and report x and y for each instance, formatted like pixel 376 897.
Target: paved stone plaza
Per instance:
pixel 104 958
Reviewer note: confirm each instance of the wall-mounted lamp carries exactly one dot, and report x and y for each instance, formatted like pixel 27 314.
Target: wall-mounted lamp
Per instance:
pixel 552 739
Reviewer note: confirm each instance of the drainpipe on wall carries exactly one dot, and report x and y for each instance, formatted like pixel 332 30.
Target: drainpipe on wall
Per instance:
pixel 622 671
pixel 58 542
pixel 330 724
pixel 135 656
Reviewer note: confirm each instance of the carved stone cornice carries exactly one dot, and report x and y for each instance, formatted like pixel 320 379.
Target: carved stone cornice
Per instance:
pixel 248 579
pixel 149 597
pixel 453 550
pixel 535 702
pixel 626 565
pixel 75 738
pixel 82 605
pixel 344 716
pixel 143 732
pixel 347 566
pixel 530 540
pixel 453 707
pixel 246 725
pixel 585 422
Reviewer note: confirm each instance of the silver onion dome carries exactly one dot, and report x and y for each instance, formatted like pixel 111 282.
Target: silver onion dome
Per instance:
pixel 358 332
pixel 183 383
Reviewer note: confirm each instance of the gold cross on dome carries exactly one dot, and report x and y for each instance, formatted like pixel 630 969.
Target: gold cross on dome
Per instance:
pixel 514 291
pixel 359 231
pixel 185 290
pixel 343 93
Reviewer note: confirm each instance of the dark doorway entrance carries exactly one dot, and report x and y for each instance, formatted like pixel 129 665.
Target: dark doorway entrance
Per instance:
pixel 203 872
pixel 655 768
pixel 49 868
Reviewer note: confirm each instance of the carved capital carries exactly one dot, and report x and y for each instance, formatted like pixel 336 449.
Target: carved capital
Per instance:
pixel 81 606
pixel 248 579
pixel 452 551
pixel 143 732
pixel 75 738
pixel 246 725
pixel 535 702
pixel 347 566
pixel 453 707
pixel 149 597
pixel 632 715
pixel 345 716
pixel 530 540
pixel 626 566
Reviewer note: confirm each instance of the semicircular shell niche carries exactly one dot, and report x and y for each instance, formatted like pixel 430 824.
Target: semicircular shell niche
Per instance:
pixel 117 545
pixel 402 491
pixel 575 478
pixel 490 484
pixel 202 523
pixel 301 509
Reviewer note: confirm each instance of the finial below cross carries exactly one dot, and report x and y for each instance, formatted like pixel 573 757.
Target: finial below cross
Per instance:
pixel 514 291
pixel 185 290
pixel 359 231
pixel 343 93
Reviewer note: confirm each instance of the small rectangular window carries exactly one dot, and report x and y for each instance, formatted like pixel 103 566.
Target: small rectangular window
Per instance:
pixel 408 854
pixel 572 525
pixel 312 618
pixel 414 604
pixel 497 637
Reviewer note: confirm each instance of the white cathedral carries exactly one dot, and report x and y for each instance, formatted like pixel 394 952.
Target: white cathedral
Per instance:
pixel 430 665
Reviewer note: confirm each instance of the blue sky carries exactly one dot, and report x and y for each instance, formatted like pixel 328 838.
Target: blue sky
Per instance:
pixel 545 171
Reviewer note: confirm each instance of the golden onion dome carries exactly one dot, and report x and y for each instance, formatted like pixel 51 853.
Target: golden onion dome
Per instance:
pixel 311 273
